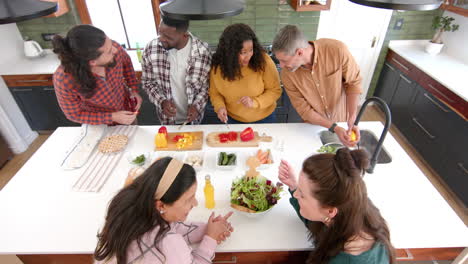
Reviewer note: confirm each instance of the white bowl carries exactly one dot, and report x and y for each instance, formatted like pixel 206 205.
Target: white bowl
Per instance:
pixel 227 167
pixel 132 156
pixel 200 154
pixel 254 215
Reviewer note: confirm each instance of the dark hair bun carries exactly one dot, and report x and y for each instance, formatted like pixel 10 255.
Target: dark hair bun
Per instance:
pixel 58 42
pixel 353 162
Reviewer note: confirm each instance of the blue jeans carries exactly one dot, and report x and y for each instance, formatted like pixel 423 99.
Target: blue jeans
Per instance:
pixel 269 119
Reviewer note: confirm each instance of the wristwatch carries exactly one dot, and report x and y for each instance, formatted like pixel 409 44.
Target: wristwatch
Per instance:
pixel 332 128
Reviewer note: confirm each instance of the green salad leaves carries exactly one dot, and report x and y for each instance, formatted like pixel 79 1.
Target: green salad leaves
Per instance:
pixel 258 194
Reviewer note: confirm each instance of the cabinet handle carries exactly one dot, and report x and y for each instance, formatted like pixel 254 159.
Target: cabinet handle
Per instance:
pixel 232 261
pixel 31 81
pixel 49 89
pixel 434 102
pixel 462 167
pixel 423 128
pixel 390 66
pixel 439 92
pixel 22 90
pixel 401 64
pixel 409 256
pixel 406 79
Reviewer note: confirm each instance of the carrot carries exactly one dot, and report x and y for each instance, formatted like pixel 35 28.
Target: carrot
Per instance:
pixel 259 154
pixel 264 155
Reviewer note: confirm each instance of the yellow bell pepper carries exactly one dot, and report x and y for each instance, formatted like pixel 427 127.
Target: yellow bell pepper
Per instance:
pixel 160 140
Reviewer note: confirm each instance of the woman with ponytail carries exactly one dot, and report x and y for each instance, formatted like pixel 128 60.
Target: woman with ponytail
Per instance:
pixel 331 199
pixel 95 82
pixel 145 220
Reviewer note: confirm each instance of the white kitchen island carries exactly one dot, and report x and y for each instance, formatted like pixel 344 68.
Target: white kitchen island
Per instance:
pixel 41 215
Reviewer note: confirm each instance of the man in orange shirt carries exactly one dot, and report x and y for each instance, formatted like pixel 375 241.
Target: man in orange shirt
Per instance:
pixel 322 80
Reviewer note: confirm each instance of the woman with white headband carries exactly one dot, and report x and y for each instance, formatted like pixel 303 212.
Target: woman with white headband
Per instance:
pixel 145 220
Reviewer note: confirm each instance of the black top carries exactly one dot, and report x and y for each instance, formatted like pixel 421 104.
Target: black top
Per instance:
pixel 401 4
pixel 201 9
pixel 12 11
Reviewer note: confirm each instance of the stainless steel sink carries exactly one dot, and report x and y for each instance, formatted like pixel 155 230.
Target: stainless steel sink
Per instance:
pixel 368 142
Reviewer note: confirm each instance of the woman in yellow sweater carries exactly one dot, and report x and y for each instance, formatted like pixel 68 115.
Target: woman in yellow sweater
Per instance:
pixel 244 81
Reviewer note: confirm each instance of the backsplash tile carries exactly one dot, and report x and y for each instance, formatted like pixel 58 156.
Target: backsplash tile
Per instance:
pixel 34 27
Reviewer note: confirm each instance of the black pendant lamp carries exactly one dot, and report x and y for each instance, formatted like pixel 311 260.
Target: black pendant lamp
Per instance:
pixel 12 11
pixel 413 5
pixel 201 9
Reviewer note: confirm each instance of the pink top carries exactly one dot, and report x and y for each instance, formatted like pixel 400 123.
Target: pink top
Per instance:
pixel 174 247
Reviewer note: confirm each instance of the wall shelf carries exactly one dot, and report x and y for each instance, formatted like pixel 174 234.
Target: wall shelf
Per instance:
pixel 304 6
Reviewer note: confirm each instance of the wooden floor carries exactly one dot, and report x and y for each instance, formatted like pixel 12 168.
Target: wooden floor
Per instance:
pixel 15 164
pixel 372 114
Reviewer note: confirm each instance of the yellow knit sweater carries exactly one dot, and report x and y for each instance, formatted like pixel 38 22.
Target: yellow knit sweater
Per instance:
pixel 263 87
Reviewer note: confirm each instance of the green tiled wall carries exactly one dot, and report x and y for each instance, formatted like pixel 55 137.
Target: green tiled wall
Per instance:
pixel 34 27
pixel 265 17
pixel 416 25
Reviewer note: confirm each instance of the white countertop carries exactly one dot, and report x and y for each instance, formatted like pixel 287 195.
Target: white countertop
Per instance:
pixel 44 65
pixel 40 214
pixel 446 69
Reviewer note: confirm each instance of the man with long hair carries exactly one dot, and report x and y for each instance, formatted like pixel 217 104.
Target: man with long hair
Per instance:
pixel 95 82
pixel 176 67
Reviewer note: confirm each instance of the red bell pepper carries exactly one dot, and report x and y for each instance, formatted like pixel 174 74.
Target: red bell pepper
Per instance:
pixel 133 103
pixel 232 136
pixel 163 130
pixel 177 137
pixel 223 137
pixel 247 134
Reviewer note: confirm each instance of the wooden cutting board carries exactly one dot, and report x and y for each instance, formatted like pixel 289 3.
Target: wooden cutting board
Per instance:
pixel 212 140
pixel 171 146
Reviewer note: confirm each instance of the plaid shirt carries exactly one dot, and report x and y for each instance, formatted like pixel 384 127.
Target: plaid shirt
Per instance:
pixel 156 77
pixel 111 93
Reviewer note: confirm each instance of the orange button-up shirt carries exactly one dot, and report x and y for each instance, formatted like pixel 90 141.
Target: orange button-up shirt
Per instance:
pixel 323 89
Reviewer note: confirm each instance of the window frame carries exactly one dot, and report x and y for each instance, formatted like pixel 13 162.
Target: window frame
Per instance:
pixel 83 12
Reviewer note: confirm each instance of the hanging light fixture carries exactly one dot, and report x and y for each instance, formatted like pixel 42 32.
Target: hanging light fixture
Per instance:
pixel 413 5
pixel 12 11
pixel 201 9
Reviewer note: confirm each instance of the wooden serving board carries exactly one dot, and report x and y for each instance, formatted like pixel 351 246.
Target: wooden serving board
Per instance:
pixel 171 146
pixel 212 140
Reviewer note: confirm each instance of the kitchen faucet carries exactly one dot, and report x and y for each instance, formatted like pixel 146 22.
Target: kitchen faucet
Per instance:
pixel 388 122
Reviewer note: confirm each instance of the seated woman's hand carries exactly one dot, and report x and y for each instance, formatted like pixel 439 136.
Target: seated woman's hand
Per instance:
pixel 222 114
pixel 219 228
pixel 286 175
pixel 246 101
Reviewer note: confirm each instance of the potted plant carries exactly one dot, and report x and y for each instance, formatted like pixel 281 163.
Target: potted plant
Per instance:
pixel 441 24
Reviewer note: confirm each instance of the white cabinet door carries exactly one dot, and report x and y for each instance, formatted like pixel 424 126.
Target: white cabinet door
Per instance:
pixel 361 28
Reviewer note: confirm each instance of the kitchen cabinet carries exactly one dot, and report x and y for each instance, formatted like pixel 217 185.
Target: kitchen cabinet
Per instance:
pixel 306 5
pixel 36 99
pixel 5 152
pixel 387 83
pixel 40 107
pixel 147 115
pixel 431 117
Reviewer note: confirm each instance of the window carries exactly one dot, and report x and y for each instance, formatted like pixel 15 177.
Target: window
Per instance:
pixel 126 21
